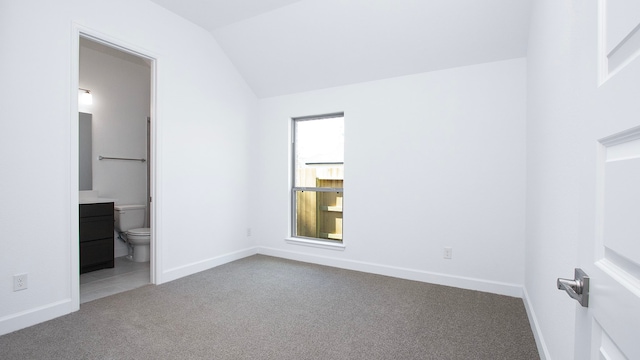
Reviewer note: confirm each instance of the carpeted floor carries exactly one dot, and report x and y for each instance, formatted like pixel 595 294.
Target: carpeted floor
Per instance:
pixel 268 308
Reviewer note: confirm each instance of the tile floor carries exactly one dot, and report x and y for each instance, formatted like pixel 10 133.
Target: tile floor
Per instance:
pixel 126 275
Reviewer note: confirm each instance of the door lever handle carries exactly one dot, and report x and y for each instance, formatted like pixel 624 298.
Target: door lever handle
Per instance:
pixel 572 287
pixel 577 288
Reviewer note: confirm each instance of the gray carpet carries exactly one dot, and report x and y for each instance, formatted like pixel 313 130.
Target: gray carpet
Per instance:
pixel 268 308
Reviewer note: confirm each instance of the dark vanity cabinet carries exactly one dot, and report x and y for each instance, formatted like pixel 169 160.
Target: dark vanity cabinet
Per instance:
pixel 96 236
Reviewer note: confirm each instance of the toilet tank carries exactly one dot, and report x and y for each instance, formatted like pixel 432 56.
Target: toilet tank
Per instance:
pixel 129 217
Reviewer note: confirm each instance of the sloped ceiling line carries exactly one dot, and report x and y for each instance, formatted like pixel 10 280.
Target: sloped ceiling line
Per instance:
pixel 288 46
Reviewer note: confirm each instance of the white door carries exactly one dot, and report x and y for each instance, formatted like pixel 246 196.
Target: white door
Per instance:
pixel 609 328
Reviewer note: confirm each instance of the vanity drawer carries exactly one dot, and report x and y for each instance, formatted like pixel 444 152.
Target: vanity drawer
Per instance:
pixel 97 254
pixel 99 209
pixel 98 227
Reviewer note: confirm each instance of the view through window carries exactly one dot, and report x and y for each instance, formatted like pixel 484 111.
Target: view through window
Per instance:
pixel 318 171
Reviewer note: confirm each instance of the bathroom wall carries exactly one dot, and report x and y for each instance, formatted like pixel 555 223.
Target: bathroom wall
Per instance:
pixel 202 114
pixel 432 160
pixel 120 84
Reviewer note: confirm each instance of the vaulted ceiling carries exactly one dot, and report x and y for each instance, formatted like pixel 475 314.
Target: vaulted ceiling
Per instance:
pixel 287 46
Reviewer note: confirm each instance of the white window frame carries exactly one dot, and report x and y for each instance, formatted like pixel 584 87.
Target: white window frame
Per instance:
pixel 293 238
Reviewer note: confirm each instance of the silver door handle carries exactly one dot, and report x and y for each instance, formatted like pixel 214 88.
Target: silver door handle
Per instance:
pixel 577 288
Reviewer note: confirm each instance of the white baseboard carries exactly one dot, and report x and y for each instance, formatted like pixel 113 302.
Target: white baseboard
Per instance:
pixel 196 267
pixel 34 316
pixel 494 287
pixel 535 328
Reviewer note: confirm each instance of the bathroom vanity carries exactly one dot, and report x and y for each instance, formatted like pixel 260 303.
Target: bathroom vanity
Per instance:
pixel 96 236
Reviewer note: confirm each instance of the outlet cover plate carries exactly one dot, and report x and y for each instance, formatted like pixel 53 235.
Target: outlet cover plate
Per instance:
pixel 20 282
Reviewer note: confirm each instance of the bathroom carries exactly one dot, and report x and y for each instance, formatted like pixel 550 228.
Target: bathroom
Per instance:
pixel 120 126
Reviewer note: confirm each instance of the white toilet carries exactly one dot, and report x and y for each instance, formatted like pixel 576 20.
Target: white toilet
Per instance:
pixel 130 221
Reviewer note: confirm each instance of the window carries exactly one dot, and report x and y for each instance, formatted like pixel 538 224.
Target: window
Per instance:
pixel 318 175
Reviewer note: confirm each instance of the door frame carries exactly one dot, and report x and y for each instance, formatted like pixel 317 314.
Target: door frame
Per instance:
pixel 81 31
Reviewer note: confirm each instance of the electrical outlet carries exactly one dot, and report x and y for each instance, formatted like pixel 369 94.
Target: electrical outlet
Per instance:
pixel 448 253
pixel 19 282
pixel 248 231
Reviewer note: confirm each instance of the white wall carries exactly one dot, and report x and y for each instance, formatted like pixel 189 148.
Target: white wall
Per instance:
pixel 567 113
pixel 121 87
pixel 431 160
pixel 203 107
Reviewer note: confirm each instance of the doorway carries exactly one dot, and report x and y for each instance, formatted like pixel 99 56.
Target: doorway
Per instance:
pixel 120 82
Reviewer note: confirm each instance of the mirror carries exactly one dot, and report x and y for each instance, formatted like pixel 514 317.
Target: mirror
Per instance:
pixel 85 153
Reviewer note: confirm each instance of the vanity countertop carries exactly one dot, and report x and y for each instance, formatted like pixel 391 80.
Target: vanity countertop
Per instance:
pixel 92 197
pixel 95 200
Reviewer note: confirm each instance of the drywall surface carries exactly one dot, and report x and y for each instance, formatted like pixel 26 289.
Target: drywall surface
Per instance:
pixel 431 161
pixel 202 110
pixel 317 44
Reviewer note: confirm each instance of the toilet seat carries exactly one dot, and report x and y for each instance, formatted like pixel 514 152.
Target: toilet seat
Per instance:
pixel 139 232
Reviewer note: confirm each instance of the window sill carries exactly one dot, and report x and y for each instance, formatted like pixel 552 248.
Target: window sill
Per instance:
pixel 315 243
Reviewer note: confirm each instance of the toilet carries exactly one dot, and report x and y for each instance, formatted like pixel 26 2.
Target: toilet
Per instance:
pixel 129 221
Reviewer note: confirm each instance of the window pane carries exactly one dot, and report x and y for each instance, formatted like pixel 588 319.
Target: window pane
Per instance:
pixel 319 152
pixel 318 214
